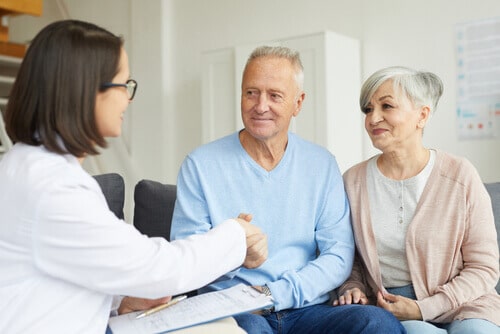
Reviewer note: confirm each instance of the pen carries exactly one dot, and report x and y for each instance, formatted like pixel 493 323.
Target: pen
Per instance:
pixel 161 307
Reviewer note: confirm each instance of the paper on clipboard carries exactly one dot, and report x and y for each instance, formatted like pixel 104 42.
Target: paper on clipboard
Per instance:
pixel 193 311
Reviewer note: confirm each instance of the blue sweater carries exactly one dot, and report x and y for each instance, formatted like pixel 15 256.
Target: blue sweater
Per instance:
pixel 300 205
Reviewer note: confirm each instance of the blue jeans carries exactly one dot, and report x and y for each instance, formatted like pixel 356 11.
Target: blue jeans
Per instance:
pixel 467 326
pixel 322 319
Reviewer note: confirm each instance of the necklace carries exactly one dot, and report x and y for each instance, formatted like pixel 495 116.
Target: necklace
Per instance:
pixel 402 203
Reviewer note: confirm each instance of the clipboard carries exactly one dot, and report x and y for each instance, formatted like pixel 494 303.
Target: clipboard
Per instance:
pixel 193 311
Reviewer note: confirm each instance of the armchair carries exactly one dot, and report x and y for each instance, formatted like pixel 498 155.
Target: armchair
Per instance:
pixel 494 191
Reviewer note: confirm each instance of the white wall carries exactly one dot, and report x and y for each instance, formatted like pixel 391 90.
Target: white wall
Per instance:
pixel 419 34
pixel 225 23
pixel 165 39
pixel 139 152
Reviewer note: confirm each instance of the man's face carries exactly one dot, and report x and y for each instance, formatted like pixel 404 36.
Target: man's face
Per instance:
pixel 270 97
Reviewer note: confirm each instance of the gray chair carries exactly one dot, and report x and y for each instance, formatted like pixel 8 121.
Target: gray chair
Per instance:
pixel 153 208
pixel 494 191
pixel 113 188
pixel 153 203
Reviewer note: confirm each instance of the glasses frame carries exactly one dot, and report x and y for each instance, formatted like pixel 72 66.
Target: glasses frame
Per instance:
pixel 131 85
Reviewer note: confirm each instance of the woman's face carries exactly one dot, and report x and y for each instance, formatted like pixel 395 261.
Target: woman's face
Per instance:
pixel 112 102
pixel 392 121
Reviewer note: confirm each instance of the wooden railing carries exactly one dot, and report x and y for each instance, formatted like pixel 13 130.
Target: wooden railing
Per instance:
pixel 11 54
pixel 15 7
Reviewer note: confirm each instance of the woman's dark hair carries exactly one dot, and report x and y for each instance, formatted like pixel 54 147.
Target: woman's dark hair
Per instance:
pixel 54 94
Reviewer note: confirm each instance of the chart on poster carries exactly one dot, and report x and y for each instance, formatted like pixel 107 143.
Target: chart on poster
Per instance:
pixel 478 79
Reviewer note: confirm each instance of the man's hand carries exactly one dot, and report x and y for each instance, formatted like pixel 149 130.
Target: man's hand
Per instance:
pixel 256 242
pixel 351 296
pixel 403 308
pixel 131 304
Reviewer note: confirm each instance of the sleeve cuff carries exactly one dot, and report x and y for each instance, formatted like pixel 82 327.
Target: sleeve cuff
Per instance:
pixel 433 306
pixel 115 304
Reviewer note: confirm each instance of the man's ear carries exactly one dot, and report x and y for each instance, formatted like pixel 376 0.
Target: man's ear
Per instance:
pixel 298 102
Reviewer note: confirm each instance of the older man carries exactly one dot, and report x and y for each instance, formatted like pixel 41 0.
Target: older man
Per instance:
pixel 294 192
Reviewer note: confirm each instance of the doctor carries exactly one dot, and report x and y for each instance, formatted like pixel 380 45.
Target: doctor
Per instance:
pixel 63 253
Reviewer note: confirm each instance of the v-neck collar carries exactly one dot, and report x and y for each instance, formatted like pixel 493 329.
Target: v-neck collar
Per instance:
pixel 261 170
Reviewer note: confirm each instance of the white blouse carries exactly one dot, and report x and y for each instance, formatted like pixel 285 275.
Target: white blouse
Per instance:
pixel 392 207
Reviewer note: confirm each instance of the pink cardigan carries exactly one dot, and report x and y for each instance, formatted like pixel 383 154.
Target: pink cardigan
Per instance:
pixel 451 244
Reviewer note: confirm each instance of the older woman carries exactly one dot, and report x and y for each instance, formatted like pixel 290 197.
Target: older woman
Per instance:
pixel 426 241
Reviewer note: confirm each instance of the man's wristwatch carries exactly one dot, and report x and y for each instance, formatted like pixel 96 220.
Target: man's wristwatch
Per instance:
pixel 267 292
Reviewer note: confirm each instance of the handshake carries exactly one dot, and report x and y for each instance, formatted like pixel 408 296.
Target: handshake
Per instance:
pixel 256 242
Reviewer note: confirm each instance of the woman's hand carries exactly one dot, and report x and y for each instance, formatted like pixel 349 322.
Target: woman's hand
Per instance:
pixel 351 296
pixel 256 242
pixel 131 304
pixel 403 308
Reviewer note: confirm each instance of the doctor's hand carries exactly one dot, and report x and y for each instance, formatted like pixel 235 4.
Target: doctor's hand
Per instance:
pixel 403 308
pixel 131 304
pixel 256 242
pixel 351 296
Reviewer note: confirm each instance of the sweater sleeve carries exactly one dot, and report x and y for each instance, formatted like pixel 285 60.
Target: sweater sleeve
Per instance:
pixel 479 250
pixel 296 289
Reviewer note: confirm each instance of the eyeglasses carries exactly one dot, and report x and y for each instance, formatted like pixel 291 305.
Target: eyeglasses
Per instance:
pixel 131 86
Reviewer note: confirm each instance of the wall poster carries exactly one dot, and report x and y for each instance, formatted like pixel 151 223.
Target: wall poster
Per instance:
pixel 478 79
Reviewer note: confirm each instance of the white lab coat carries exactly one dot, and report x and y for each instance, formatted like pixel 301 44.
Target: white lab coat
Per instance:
pixel 63 254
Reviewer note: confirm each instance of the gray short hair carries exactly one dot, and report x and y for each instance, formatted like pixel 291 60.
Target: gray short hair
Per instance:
pixel 422 88
pixel 280 52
